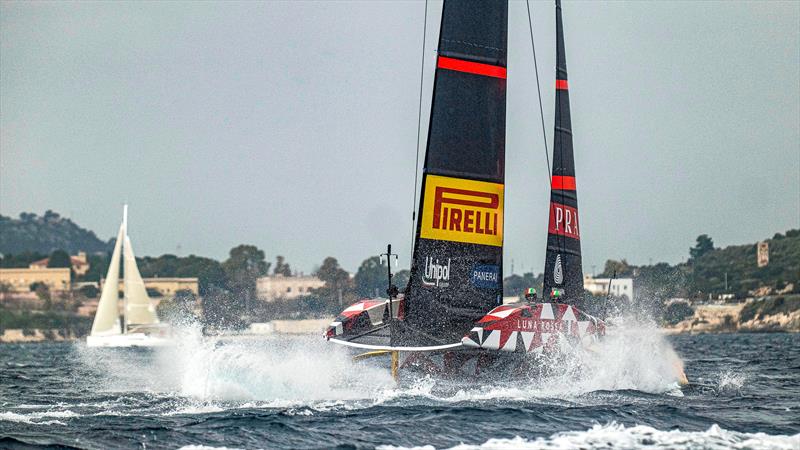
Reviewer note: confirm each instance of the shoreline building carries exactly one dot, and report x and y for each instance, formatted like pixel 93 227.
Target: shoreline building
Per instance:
pixel 79 262
pixel 167 286
pixel 599 286
pixel 20 279
pixel 273 287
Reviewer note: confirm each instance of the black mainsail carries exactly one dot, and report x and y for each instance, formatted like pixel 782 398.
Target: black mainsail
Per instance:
pixel 457 273
pixel 563 273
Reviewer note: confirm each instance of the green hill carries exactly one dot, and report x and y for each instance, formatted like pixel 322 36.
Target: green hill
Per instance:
pixel 707 272
pixel 707 269
pixel 44 234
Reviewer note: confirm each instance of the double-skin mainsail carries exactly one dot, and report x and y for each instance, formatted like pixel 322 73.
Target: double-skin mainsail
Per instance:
pixel 457 273
pixel 563 272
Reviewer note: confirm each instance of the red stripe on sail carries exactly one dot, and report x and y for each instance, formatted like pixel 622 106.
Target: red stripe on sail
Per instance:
pixel 562 84
pixel 459 65
pixel 563 183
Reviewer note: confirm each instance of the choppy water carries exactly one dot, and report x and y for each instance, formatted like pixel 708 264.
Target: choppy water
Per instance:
pixel 303 393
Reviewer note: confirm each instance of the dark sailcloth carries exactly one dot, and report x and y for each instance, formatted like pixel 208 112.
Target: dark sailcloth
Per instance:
pixel 456 273
pixel 563 273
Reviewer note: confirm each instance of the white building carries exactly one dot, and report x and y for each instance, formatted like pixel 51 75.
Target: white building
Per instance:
pixel 599 286
pixel 273 287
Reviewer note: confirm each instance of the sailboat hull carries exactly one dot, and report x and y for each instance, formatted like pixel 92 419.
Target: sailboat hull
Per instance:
pixel 128 340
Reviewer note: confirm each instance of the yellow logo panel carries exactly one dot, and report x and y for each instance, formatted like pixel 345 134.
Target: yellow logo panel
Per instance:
pixel 462 211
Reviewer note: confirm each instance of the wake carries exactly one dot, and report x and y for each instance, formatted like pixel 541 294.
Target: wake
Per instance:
pixel 289 371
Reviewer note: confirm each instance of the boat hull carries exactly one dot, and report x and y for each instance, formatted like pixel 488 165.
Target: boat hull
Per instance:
pixel 510 341
pixel 534 328
pixel 128 340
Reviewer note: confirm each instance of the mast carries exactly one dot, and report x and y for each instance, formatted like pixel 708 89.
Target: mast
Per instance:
pixel 563 272
pixel 456 273
pixel 124 273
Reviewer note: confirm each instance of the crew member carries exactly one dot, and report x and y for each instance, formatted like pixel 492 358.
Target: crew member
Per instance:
pixel 530 295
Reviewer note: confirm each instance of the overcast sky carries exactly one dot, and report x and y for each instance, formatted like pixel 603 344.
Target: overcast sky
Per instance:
pixel 293 126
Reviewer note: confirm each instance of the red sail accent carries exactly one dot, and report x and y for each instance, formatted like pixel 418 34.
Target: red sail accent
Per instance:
pixel 563 183
pixel 460 65
pixel 562 84
pixel 563 221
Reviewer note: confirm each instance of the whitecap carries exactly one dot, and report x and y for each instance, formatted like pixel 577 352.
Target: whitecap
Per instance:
pixel 35 417
pixel 730 381
pixel 618 436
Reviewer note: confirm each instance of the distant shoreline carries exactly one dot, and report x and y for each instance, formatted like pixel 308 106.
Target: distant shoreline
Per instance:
pixel 36 335
pixel 704 322
pixel 766 315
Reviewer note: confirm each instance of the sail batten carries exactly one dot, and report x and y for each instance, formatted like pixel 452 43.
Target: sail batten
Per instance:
pixel 456 273
pixel 563 271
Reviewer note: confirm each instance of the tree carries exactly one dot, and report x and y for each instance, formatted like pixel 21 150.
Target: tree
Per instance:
pixel 90 291
pixel 371 278
pixel 515 285
pixel 98 266
pixel 621 268
pixel 338 284
pixel 331 273
pixel 43 293
pixel 244 265
pixel 704 245
pixel 401 278
pixel 20 260
pixel 677 311
pixel 45 234
pixel 59 258
pixel 282 267
pixel 51 216
pixel 221 309
pixel 209 272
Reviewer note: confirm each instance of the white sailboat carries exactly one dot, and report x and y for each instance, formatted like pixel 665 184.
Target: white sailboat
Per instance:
pixel 140 326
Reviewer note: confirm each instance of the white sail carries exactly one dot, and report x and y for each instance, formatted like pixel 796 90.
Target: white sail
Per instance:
pixel 106 319
pixel 138 308
pixel 142 327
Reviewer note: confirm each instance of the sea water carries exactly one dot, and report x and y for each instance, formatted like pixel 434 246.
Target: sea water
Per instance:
pixel 300 392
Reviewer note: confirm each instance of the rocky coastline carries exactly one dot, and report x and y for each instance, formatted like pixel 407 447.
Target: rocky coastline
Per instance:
pixel 764 315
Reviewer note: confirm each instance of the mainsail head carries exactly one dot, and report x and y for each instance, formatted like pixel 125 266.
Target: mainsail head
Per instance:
pixel 563 272
pixel 456 274
pixel 106 319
